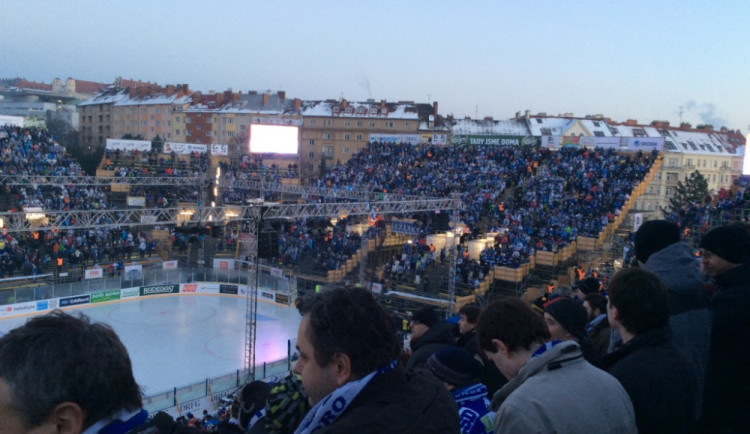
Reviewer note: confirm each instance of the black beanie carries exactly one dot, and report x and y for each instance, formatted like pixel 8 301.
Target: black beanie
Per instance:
pixel 589 285
pixel 728 242
pixel 570 314
pixel 654 235
pixel 455 366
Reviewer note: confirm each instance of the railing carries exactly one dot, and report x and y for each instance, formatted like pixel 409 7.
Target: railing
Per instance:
pixel 222 385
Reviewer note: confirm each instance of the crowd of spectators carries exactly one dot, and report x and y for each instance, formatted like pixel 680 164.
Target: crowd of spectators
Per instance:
pixel 246 170
pixel 700 215
pixel 154 163
pixel 315 241
pixel 531 198
pixel 33 253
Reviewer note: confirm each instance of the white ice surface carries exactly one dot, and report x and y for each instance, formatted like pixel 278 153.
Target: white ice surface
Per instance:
pixel 182 339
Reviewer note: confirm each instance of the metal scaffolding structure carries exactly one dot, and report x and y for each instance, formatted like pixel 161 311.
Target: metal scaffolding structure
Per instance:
pixel 30 221
pixel 240 184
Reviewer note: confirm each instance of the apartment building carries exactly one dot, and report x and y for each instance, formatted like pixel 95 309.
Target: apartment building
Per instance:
pixel 333 130
pixel 128 107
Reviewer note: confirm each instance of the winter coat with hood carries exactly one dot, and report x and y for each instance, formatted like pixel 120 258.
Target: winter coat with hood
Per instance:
pixel 550 394
pixel 689 314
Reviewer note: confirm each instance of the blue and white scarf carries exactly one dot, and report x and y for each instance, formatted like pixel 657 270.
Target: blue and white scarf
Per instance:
pixel 543 348
pixel 328 410
pixel 473 409
pixel 119 423
pixel 595 322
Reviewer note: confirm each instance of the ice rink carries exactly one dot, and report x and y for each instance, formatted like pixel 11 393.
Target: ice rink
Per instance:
pixel 182 339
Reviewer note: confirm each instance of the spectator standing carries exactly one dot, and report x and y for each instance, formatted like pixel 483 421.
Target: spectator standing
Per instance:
pixel 348 363
pixel 60 373
pixel 467 339
pixel 566 320
pixel 658 249
pixel 544 393
pixel 725 256
pixel 428 336
pixel 656 375
pixel 597 329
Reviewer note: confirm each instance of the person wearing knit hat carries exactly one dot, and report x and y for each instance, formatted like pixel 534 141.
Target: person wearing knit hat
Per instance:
pixel 428 336
pixel 459 372
pixel 653 236
pixel 659 249
pixel 724 248
pixel 725 257
pixel 589 285
pixel 566 320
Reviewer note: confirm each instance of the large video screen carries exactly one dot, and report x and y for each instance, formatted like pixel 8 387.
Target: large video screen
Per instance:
pixel 274 139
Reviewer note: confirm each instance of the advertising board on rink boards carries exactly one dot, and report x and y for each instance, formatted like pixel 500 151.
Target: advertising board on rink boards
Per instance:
pixel 144 291
pixel 93 273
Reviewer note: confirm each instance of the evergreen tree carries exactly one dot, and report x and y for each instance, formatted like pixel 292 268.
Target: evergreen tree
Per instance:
pixel 693 191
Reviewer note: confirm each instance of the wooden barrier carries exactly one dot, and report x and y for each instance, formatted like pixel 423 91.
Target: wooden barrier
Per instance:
pixel 509 274
pixel 546 258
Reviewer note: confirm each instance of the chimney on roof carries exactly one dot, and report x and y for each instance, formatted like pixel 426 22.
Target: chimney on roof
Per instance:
pixel 253 92
pixel 197 97
pixel 297 104
pixel 707 128
pixel 265 99
pixel 382 104
pixel 631 122
pixel 236 96
pixel 344 103
pixel 660 124
pixel 282 95
pixel 220 98
pixel 170 90
pixel 685 126
pixel 434 108
pixel 488 118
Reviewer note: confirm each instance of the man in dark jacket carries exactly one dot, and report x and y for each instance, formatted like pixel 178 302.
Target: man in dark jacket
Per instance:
pixel 467 340
pixel 348 352
pixel 725 257
pixel 652 370
pixel 658 249
pixel 428 336
pixel 597 329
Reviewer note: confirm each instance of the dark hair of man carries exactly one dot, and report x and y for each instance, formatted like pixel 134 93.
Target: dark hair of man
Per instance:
pixel 513 322
pixel 58 358
pixel 350 321
pixel 597 301
pixel 471 311
pixel 641 299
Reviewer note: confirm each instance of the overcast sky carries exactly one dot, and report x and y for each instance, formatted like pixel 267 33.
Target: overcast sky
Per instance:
pixel 643 60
